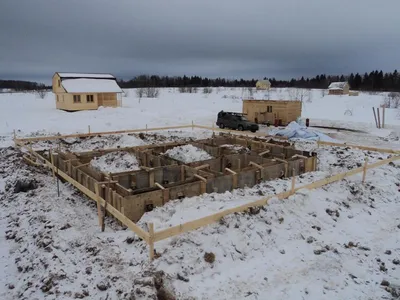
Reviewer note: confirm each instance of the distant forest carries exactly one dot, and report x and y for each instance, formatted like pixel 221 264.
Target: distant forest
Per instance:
pixel 18 85
pixel 373 81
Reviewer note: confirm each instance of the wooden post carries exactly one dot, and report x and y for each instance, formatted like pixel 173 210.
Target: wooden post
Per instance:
pixel 52 164
pixel 151 178
pixel 15 135
pixel 365 170
pixel 89 129
pixel 293 180
pixel 70 168
pixel 96 189
pixel 379 117
pixel 151 241
pixel 376 121
pixel 182 173
pixel 383 117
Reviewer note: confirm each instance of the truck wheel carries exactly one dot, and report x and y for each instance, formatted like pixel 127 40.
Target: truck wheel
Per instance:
pixel 253 130
pixel 240 128
pixel 222 126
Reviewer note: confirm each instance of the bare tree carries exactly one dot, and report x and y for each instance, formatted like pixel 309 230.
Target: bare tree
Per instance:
pixel 152 92
pixel 41 93
pixel 125 93
pixel 207 90
pixel 140 92
pixel 392 100
pixel 303 95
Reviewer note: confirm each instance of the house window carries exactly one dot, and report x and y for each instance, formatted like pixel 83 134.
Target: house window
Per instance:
pixel 89 99
pixel 269 109
pixel 77 98
pixel 59 82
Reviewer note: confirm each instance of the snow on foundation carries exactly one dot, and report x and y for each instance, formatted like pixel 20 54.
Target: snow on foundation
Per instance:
pixel 115 162
pixel 188 154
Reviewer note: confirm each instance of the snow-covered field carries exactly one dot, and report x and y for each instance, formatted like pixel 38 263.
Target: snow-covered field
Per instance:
pixel 341 241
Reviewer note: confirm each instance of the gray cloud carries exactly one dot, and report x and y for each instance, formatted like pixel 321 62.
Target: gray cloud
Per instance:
pixel 229 38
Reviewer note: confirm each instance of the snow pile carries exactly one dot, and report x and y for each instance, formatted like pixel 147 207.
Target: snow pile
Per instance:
pixel 297 131
pixel 188 154
pixel 116 162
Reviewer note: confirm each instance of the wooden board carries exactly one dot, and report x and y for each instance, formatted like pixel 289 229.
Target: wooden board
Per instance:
pixel 57 137
pixel 360 147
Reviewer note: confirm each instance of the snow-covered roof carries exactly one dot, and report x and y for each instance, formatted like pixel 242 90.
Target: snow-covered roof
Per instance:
pixel 264 81
pixel 337 85
pixel 85 85
pixel 85 75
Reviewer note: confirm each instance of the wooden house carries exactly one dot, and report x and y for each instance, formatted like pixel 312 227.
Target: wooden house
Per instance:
pixel 339 88
pixel 267 111
pixel 80 91
pixel 263 85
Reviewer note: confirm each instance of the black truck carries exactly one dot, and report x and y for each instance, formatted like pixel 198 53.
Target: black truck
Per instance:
pixel 234 120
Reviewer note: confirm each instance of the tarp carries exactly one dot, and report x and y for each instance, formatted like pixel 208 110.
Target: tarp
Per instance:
pixel 297 131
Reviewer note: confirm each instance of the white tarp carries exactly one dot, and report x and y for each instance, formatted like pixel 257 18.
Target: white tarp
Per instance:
pixel 84 85
pixel 297 131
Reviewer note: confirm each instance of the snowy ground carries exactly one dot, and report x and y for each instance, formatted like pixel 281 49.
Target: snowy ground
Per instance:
pixel 341 241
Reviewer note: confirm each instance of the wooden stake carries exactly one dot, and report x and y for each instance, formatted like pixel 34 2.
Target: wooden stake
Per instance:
pixel 89 129
pixel 200 177
pixel 151 241
pixel 383 117
pixel 255 165
pixel 99 215
pixel 159 186
pixel 264 152
pixel 365 170
pixel 52 164
pixel 293 181
pixel 15 135
pixel 376 121
pixel 379 117
pixel 230 171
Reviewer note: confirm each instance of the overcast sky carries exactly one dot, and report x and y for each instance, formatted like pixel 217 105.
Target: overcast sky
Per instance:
pixel 227 38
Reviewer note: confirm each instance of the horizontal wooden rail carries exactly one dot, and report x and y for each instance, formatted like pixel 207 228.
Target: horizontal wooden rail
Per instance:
pixel 255 134
pixel 57 137
pixel 359 147
pixel 195 224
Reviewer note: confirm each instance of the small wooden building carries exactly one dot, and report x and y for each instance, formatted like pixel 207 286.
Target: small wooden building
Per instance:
pixel 267 111
pixel 339 88
pixel 81 91
pixel 263 84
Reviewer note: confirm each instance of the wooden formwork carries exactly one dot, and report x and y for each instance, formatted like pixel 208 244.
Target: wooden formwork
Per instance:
pixel 113 196
pixel 162 178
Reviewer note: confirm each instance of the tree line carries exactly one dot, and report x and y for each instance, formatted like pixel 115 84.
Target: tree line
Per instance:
pixel 18 85
pixel 373 81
